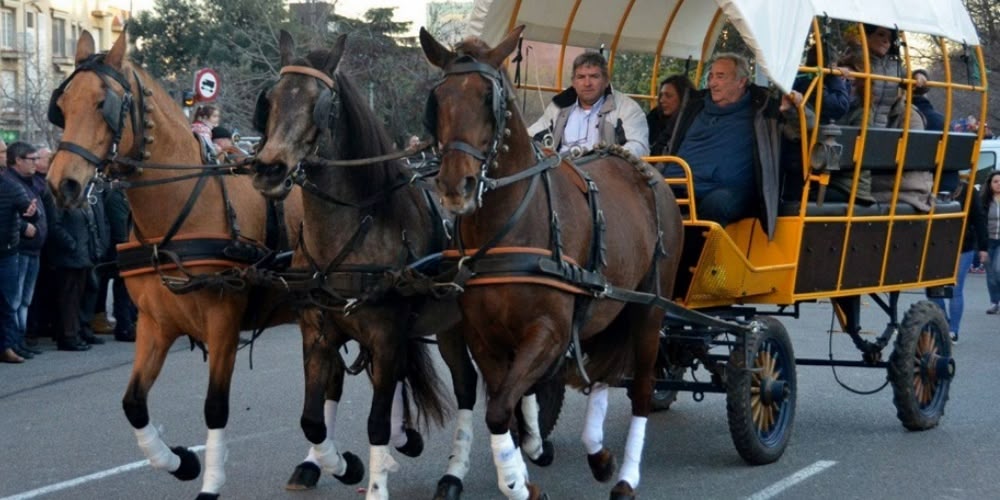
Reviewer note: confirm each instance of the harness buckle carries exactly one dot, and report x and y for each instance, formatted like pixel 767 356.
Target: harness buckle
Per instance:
pixel 351 305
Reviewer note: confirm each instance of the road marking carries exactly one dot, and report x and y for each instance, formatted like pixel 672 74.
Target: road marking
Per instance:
pixel 788 482
pixel 52 488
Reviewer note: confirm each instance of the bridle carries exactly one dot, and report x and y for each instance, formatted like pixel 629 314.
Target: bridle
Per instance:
pixel 500 96
pixel 114 118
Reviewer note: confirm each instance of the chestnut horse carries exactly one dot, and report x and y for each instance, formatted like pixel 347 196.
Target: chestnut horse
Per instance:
pixel 520 322
pixel 362 225
pixel 118 121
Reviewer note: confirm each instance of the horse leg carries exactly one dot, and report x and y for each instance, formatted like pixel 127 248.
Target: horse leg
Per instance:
pixel 222 337
pixel 453 350
pixel 324 380
pixel 530 363
pixel 645 348
pixel 406 440
pixel 601 460
pixel 385 377
pixel 151 348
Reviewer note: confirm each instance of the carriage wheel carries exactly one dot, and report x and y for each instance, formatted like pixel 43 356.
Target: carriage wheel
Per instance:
pixel 921 367
pixel 663 399
pixel 760 394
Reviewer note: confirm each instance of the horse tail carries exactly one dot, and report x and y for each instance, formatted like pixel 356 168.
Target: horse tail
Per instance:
pixel 425 385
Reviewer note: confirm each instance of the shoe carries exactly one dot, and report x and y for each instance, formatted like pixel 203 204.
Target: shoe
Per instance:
pixel 20 352
pixel 90 338
pixel 9 356
pixel 24 347
pixel 995 308
pixel 954 337
pixel 74 345
pixel 125 336
pixel 101 324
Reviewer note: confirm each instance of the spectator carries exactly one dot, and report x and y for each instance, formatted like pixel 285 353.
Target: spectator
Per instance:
pixel 118 212
pixel 590 112
pixel 16 210
pixel 206 117
pixel 989 199
pixel 41 321
pixel 662 119
pixel 21 159
pixel 227 151
pixel 975 241
pixel 724 134
pixel 933 117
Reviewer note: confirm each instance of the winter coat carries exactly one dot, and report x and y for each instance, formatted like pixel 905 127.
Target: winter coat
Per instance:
pixel 620 121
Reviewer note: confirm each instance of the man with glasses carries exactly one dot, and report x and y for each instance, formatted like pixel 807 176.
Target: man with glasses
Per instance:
pixel 21 160
pixel 18 209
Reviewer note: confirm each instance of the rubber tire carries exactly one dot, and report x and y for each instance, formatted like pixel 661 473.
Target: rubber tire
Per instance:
pixel 754 447
pixel 924 317
pixel 661 400
pixel 550 394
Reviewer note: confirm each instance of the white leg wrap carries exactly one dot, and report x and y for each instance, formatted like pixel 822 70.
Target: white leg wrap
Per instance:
pixel 398 436
pixel 593 426
pixel 326 456
pixel 531 444
pixel 215 461
pixel 633 452
pixel 380 464
pixel 461 445
pixel 330 421
pixel 512 475
pixel 159 455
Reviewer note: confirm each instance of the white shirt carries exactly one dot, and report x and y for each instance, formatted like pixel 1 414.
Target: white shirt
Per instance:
pixel 582 127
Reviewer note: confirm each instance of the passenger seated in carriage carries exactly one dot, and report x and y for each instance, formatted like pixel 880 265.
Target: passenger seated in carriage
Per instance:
pixel 591 112
pixel 729 134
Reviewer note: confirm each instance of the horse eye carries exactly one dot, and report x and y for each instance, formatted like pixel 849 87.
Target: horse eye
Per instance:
pixel 100 105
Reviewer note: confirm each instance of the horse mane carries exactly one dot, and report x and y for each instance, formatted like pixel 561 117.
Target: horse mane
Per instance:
pixel 171 114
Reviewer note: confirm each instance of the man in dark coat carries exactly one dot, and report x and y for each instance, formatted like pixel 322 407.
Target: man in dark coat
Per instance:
pixel 16 212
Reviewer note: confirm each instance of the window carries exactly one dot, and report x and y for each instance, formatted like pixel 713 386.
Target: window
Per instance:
pixel 8 91
pixel 8 27
pixel 59 37
pixel 29 19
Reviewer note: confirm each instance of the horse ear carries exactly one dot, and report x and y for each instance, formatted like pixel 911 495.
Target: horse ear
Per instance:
pixel 84 47
pixel 503 49
pixel 286 46
pixel 333 59
pixel 436 53
pixel 117 53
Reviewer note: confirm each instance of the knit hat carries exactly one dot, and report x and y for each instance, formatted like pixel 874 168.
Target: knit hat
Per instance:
pixel 221 133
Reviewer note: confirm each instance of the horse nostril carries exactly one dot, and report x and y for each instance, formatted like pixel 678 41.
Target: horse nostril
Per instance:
pixel 470 185
pixel 70 189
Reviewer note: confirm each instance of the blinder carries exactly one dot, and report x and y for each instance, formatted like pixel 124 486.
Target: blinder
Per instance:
pixel 324 111
pixel 113 108
pixel 262 110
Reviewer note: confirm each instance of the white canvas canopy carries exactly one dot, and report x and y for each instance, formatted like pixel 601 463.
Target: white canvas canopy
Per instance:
pixel 775 30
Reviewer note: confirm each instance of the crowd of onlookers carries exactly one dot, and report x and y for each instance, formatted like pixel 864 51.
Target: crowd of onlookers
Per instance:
pixel 56 262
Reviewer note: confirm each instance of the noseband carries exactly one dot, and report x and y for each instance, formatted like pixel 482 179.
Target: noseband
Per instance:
pixel 488 159
pixel 114 118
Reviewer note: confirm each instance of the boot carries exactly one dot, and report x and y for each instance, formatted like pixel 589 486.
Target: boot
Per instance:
pixel 101 324
pixel 73 344
pixel 9 356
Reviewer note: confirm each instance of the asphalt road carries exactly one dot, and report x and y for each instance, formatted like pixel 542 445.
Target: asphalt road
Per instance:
pixel 63 434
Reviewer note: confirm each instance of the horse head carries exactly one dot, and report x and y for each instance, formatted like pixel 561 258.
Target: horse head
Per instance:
pixel 467 112
pixel 94 105
pixel 296 115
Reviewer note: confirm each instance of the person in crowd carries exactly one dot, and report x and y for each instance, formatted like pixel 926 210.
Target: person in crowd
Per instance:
pixel 590 112
pixel 118 212
pixel 41 321
pixel 989 200
pixel 662 119
pixel 21 159
pixel 206 117
pixel 718 136
pixel 44 158
pixel 933 118
pixel 974 242
pixel 16 212
pixel 225 148
pixel 96 294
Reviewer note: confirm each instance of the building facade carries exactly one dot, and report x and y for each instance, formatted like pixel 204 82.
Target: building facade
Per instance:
pixel 37 48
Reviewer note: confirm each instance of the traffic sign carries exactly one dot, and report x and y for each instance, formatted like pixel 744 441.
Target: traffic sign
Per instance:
pixel 206 85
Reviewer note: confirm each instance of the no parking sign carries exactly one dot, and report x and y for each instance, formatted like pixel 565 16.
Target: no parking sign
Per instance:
pixel 206 85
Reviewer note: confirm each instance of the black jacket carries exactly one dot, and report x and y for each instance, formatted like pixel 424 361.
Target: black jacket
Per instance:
pixel 14 201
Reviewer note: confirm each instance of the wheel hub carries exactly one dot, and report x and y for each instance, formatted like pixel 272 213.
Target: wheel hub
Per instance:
pixel 773 392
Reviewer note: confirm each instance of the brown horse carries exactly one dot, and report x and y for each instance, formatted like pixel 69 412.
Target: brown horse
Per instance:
pixel 519 326
pixel 118 119
pixel 362 224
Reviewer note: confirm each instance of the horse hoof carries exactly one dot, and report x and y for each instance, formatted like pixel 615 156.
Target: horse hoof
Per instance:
pixel 449 488
pixel 602 465
pixel 414 444
pixel 622 491
pixel 304 477
pixel 548 454
pixel 190 465
pixel 535 492
pixel 207 496
pixel 355 469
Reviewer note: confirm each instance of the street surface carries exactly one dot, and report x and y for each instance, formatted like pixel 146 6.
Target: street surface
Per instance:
pixel 64 435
